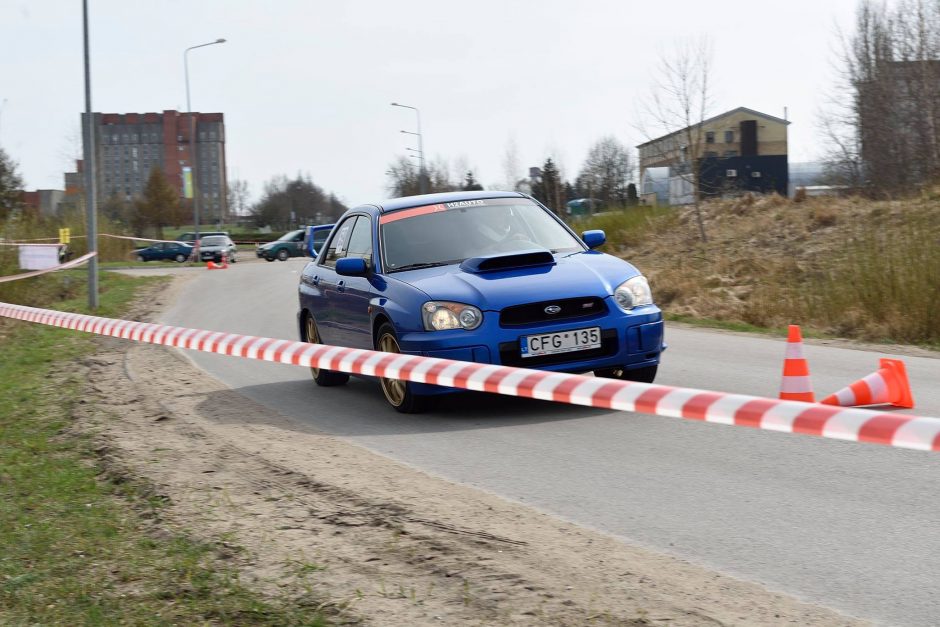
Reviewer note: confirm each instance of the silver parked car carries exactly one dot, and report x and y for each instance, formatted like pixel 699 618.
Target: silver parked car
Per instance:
pixel 212 247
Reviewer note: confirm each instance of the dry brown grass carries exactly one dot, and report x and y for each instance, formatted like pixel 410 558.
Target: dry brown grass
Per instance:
pixel 843 266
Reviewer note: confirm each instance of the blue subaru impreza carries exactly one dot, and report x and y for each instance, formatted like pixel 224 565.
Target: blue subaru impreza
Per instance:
pixel 490 277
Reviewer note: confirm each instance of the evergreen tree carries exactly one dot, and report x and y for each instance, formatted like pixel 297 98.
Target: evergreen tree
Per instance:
pixel 632 198
pixel 471 184
pixel 160 205
pixel 548 190
pixel 11 186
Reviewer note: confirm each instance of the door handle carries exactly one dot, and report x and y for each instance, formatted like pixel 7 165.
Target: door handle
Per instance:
pixel 315 280
pixel 341 286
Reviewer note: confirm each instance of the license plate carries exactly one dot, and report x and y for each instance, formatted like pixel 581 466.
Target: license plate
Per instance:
pixel 561 342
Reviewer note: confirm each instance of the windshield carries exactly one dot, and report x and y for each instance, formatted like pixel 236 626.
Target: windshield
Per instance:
pixel 287 237
pixel 213 241
pixel 451 232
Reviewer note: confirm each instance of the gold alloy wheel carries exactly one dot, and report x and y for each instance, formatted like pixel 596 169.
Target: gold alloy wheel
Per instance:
pixel 394 389
pixel 313 337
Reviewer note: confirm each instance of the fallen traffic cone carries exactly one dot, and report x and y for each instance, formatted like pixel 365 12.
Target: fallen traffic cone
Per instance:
pixel 887 386
pixel 795 385
pixel 211 265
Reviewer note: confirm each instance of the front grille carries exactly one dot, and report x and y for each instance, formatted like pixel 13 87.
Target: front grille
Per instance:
pixel 510 355
pixel 583 307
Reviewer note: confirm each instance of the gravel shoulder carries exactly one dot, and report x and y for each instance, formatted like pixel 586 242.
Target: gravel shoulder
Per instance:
pixel 377 541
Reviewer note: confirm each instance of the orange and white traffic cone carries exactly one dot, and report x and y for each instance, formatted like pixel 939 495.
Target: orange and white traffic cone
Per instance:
pixel 887 386
pixel 211 265
pixel 796 385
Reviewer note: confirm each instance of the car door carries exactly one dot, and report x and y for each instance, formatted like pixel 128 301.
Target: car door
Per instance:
pixel 297 244
pixel 354 292
pixel 323 297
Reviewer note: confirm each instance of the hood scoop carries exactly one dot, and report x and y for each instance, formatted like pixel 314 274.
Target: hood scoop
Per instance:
pixel 522 259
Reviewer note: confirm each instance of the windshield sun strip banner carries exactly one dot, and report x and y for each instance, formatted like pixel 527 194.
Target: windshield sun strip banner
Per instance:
pixel 411 213
pixel 401 214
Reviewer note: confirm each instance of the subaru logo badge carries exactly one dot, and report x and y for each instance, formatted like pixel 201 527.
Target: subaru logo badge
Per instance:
pixel 552 309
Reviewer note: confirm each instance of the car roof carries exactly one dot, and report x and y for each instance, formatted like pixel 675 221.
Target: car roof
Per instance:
pixel 406 202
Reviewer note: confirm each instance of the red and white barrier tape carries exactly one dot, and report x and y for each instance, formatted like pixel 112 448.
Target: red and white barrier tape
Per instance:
pixel 859 425
pixel 64 266
pixel 142 239
pixel 28 242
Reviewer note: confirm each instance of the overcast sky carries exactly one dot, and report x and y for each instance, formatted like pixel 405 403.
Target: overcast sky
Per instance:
pixel 305 85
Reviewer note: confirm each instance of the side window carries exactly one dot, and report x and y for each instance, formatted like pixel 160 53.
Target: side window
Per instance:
pixel 337 249
pixel 360 242
pixel 299 237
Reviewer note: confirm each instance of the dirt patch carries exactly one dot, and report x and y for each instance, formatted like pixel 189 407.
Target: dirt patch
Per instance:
pixel 377 541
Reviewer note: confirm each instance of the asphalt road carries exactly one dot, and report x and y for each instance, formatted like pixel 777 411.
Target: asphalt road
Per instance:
pixel 854 527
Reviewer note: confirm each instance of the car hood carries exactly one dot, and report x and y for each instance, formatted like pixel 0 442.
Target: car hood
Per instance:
pixel 268 246
pixel 588 273
pixel 213 247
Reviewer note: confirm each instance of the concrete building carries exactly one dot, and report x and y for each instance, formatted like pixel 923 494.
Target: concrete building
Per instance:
pixel 44 202
pixel 130 145
pixel 739 150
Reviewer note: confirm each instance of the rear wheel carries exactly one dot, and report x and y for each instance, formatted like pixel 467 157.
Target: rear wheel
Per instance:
pixel 642 375
pixel 397 392
pixel 325 378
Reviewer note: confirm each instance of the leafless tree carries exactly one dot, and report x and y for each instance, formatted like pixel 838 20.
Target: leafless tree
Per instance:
pixel 403 177
pixel 512 171
pixel 238 196
pixel 679 102
pixel 884 124
pixel 607 171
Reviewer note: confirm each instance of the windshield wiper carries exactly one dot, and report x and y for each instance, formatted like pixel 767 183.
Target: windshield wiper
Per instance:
pixel 419 266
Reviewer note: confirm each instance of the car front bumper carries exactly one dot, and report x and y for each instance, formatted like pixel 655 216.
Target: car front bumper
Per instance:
pixel 630 340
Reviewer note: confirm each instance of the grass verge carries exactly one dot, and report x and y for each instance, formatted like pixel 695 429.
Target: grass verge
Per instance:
pixel 79 550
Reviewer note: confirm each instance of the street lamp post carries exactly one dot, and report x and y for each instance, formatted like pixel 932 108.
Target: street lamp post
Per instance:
pixel 91 199
pixel 192 140
pixel 422 174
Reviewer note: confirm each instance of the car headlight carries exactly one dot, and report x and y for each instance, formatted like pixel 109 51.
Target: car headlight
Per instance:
pixel 440 316
pixel 633 293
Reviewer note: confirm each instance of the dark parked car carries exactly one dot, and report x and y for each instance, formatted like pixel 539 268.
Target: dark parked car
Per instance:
pixel 190 236
pixel 213 247
pixel 177 251
pixel 288 245
pixel 490 277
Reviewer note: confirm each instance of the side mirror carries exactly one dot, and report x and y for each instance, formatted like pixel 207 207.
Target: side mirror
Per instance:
pixel 594 238
pixel 351 266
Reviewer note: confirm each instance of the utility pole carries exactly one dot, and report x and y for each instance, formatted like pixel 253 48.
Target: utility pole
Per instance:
pixel 91 202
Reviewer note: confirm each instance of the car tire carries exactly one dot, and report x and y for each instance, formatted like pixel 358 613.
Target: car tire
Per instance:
pixel 323 378
pixel 140 258
pixel 232 259
pixel 647 374
pixel 180 258
pixel 269 258
pixel 282 255
pixel 398 393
